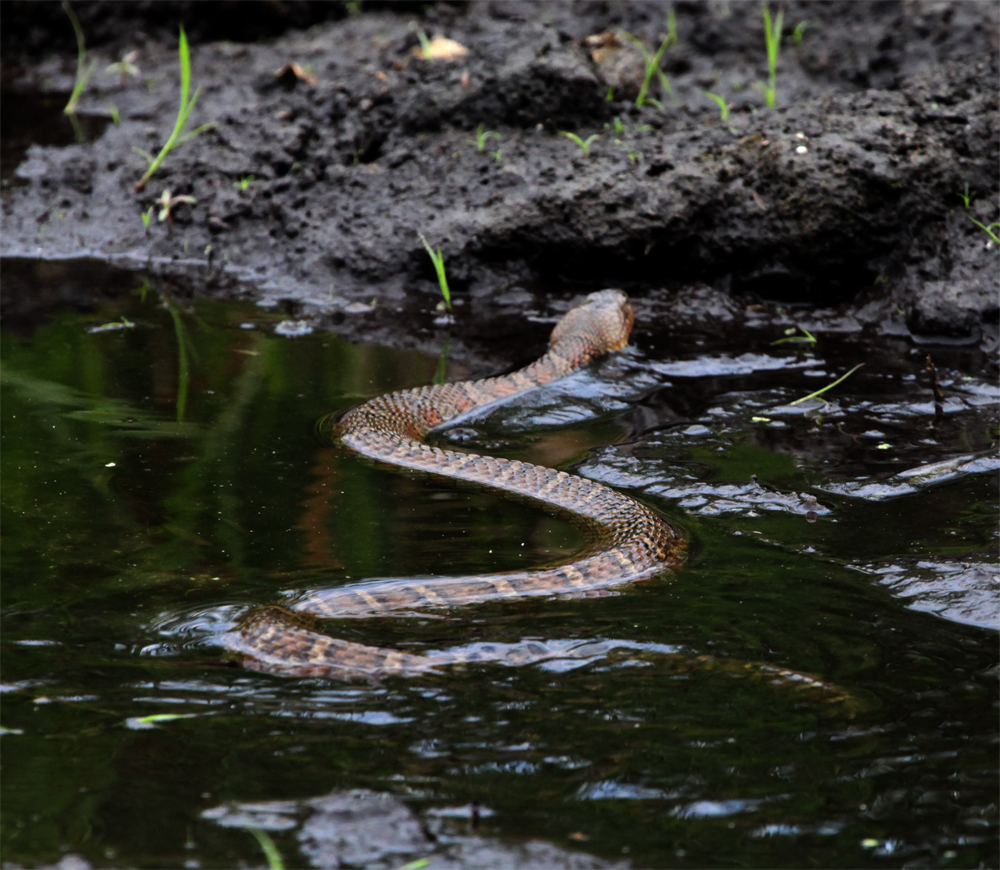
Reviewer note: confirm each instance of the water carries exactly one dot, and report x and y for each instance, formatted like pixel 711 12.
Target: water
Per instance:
pixel 161 474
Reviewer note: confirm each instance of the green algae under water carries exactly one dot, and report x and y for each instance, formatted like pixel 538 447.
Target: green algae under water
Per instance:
pixel 161 473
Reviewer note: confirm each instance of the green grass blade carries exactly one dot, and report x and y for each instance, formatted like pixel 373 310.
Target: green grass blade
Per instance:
pixel 83 73
pixel 988 229
pixel 274 861
pixel 183 113
pixel 820 392
pixel 720 102
pixel 185 57
pixel 772 37
pixel 143 153
pixel 195 132
pixel 652 63
pixel 438 260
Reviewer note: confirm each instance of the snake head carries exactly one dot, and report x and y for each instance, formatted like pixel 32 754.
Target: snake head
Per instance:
pixel 605 319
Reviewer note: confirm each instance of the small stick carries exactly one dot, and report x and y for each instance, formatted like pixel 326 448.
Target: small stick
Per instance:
pixel 936 387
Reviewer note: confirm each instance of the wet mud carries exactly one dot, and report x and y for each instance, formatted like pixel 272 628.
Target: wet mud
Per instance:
pixel 334 147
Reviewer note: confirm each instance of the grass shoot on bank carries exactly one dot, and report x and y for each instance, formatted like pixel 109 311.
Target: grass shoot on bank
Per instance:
pixel 988 229
pixel 83 71
pixel 125 67
pixel 584 144
pixel 653 63
pixel 426 52
pixel 721 103
pixel 482 136
pixel 178 136
pixel 772 37
pixel 437 258
pixel 167 202
pixel 274 860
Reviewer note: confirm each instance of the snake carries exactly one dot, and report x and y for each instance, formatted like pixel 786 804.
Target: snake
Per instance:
pixel 627 542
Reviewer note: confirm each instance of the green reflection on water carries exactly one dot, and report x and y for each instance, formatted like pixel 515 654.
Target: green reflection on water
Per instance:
pixel 126 498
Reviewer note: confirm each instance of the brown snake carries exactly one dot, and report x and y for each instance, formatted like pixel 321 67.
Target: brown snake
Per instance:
pixel 628 541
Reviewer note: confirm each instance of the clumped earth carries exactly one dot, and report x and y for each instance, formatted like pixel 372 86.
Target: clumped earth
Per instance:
pixel 334 147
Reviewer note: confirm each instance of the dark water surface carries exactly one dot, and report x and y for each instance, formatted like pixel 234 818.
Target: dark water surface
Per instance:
pixel 161 475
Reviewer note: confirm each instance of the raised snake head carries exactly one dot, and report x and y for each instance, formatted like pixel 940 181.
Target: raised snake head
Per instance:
pixel 605 319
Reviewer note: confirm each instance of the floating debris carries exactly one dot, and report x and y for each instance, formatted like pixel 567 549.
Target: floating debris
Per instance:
pixel 294 328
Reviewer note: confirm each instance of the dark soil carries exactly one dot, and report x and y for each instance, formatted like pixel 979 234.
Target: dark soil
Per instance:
pixel 848 193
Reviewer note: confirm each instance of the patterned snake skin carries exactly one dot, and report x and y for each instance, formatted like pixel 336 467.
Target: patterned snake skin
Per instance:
pixel 629 542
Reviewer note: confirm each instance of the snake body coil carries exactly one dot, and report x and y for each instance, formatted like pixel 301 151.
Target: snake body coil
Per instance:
pixel 628 541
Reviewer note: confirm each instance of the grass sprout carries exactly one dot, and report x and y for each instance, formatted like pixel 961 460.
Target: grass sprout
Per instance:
pixel 147 217
pixel 116 118
pixel 633 155
pixel 829 386
pixel 720 102
pixel 966 196
pixel 806 338
pixel 583 143
pixel 178 136
pixel 274 861
pixel 167 203
pixel 83 71
pixel 244 183
pixel 799 30
pixel 988 229
pixel 425 45
pixel 125 67
pixel 437 258
pixel 653 63
pixel 772 36
pixel 482 136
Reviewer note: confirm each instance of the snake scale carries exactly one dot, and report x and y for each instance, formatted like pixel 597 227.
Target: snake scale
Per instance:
pixel 628 541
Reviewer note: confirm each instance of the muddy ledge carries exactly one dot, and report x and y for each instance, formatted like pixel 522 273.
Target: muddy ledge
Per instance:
pixel 313 186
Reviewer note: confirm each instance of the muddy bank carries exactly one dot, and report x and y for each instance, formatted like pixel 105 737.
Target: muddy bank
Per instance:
pixel 862 186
